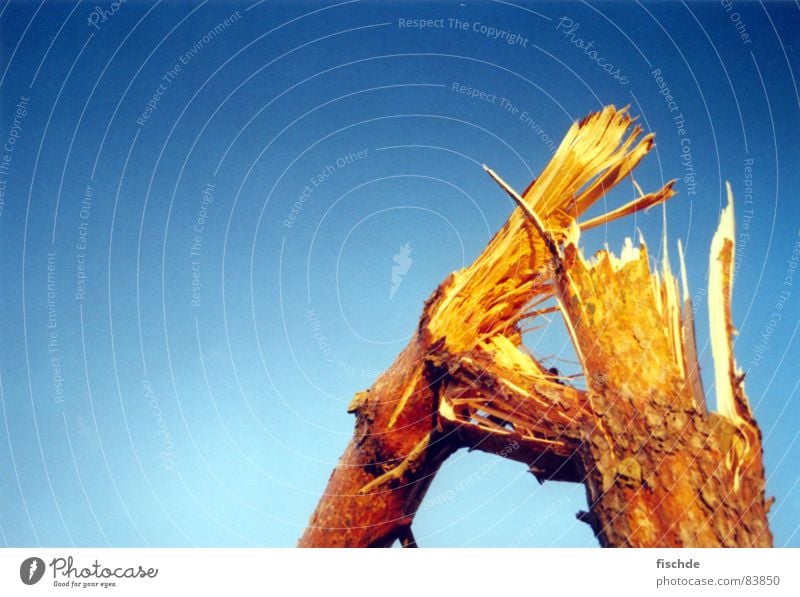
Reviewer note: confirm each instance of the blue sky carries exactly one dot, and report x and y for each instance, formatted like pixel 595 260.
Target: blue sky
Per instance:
pixel 201 207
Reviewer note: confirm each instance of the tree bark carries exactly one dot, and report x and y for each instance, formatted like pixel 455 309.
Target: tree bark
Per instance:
pixel 347 516
pixel 659 469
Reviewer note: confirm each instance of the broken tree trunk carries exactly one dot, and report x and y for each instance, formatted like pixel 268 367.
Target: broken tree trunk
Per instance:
pixel 659 469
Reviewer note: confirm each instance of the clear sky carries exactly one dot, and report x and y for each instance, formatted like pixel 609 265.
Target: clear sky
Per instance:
pixel 202 204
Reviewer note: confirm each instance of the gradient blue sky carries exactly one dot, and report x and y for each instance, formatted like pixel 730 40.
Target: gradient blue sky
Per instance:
pixel 217 422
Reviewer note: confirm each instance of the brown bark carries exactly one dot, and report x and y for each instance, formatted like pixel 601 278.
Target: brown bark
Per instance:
pixel 350 517
pixel 659 469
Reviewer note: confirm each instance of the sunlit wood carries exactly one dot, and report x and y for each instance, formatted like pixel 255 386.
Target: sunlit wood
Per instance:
pixel 659 469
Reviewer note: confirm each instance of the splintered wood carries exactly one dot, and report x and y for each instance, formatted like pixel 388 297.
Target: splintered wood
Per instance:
pixel 659 469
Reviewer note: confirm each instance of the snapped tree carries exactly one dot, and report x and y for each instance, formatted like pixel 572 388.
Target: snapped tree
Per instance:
pixel 659 468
